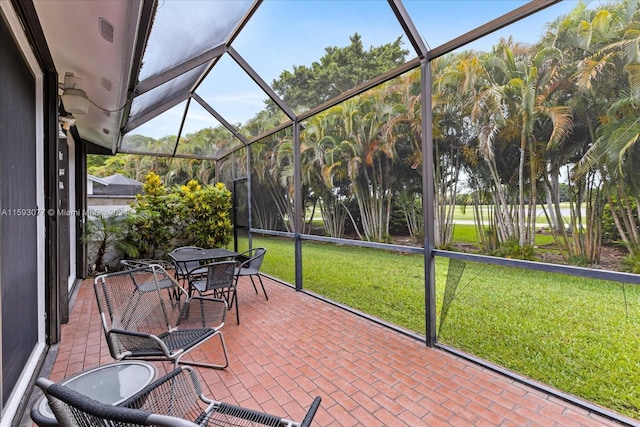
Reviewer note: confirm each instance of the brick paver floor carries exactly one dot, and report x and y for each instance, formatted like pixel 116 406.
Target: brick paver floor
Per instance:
pixel 293 347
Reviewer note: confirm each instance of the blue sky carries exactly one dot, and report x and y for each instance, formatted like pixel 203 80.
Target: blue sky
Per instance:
pixel 284 33
pixel 299 31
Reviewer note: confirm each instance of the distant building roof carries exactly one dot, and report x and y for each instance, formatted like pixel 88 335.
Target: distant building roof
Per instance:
pixel 118 179
pixel 94 178
pixel 115 185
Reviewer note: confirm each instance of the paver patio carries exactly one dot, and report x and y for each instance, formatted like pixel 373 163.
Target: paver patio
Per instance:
pixel 293 347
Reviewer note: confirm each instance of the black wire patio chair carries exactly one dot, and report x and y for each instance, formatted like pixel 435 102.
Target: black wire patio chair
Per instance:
pixel 143 319
pixel 174 400
pixel 182 269
pixel 129 264
pixel 218 281
pixel 249 264
pixel 132 264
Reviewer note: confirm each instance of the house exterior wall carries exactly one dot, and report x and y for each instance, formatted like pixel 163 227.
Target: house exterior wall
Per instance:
pixel 18 216
pixel 28 232
pixel 20 281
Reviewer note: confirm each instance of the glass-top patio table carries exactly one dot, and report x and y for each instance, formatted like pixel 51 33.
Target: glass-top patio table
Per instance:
pixel 112 383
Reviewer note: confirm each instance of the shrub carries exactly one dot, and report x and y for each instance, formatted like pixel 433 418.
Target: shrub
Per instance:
pixel 631 262
pixel 512 249
pixel 579 260
pixel 105 239
pixel 397 222
pixel 151 222
pixel 205 214
pixel 189 215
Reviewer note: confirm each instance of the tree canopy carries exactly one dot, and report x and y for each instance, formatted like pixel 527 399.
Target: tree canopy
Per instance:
pixel 340 69
pixel 513 122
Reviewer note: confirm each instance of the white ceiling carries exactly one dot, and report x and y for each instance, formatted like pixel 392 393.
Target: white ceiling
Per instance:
pixel 72 30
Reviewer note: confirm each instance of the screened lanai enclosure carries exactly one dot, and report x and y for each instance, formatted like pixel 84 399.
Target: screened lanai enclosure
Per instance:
pixel 464 172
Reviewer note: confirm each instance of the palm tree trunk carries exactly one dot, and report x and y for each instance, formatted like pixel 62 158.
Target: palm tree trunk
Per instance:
pixel 505 223
pixel 521 218
pixel 617 221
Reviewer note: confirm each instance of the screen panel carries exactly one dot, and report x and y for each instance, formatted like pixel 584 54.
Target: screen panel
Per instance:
pixel 18 205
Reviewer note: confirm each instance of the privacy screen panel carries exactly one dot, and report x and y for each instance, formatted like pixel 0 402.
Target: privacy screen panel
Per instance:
pixel 18 234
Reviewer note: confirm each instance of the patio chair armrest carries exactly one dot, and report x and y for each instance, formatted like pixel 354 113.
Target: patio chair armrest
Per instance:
pixel 306 422
pixel 87 411
pixel 199 312
pixel 229 414
pixel 168 421
pixel 123 343
pixel 180 292
pixel 166 265
pixel 177 394
pixel 197 271
pixel 242 262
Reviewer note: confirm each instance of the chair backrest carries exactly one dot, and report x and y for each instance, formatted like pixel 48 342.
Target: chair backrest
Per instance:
pixel 255 257
pixel 182 268
pixel 137 300
pixel 220 275
pixel 75 409
pixel 177 393
pixel 130 264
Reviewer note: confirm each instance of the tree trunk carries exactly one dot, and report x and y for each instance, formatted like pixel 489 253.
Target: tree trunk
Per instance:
pixel 521 218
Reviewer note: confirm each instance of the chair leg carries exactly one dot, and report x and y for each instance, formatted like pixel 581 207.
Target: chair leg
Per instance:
pixel 235 297
pixel 202 364
pixel 237 310
pixel 228 297
pixel 261 284
pixel 263 289
pixel 253 283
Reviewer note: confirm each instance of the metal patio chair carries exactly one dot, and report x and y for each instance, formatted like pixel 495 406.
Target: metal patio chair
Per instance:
pixel 132 264
pixel 174 400
pixel 218 281
pixel 249 263
pixel 147 315
pixel 136 263
pixel 182 268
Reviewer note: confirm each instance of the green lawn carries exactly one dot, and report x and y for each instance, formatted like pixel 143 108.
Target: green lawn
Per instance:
pixel 572 333
pixel 466 233
pixel 465 213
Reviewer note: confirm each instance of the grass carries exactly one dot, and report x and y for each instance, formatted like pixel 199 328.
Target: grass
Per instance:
pixel 465 213
pixel 572 333
pixel 466 233
pixel 579 335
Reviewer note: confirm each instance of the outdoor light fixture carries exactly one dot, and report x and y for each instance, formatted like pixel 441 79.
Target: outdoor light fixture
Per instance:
pixel 75 100
pixel 67 121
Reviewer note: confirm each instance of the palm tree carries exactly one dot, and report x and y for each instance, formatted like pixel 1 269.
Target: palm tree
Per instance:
pixel 579 36
pixel 488 115
pixel 523 82
pixel 368 157
pixel 272 198
pixel 317 150
pixel 612 71
pixel 105 236
pixel 404 130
